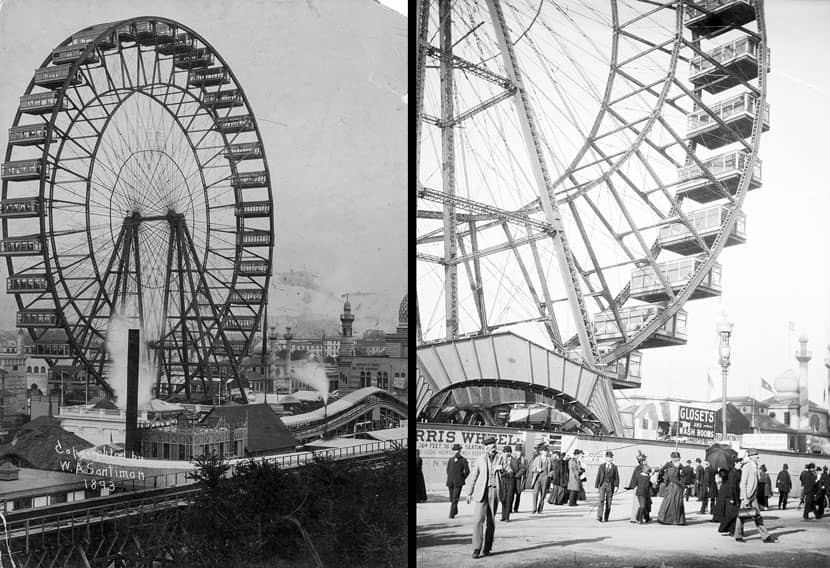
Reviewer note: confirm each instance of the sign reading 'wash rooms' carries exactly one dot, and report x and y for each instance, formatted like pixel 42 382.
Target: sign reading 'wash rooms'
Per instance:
pixel 696 422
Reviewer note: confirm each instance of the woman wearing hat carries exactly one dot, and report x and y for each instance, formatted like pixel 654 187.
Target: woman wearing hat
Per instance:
pixel 672 511
pixel 635 476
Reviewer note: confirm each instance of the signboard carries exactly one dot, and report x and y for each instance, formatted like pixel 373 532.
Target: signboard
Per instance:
pixel 696 422
pixel 436 442
pixel 818 444
pixel 764 441
pixel 399 383
pixel 365 365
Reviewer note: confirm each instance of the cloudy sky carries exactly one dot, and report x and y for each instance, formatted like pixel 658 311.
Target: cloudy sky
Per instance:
pixel 326 80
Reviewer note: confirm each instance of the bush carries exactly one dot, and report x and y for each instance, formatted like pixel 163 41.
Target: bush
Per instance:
pixel 328 512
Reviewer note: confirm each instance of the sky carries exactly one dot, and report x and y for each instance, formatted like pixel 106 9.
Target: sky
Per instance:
pixel 782 273
pixel 326 80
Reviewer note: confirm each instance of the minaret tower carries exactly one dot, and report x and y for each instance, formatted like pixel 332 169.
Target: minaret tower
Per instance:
pixel 803 356
pixel 346 339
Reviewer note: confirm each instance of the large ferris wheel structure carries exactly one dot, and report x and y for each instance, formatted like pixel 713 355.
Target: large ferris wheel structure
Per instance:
pixel 136 190
pixel 581 166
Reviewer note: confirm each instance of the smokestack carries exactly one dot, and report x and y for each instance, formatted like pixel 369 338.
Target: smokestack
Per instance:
pixel 131 445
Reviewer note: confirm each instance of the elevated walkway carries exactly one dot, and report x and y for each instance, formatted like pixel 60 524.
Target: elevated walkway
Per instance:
pixel 508 359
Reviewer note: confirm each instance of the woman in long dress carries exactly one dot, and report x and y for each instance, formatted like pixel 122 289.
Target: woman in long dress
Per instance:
pixel 422 487
pixel 672 510
pixel 728 494
pixel 764 488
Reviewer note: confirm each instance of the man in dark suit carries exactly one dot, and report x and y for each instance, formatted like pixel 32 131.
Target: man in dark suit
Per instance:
pixel 521 476
pixel 699 471
pixel 508 483
pixel 734 483
pixel 484 489
pixel 808 489
pixel 457 471
pixel 540 470
pixel 708 488
pixel 563 479
pixel 688 474
pixel 784 485
pixel 608 480
pixel 556 486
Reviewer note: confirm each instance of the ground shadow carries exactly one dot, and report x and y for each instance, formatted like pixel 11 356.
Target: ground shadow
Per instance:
pixel 777 534
pixel 438 498
pixel 698 522
pixel 552 544
pixel 438 539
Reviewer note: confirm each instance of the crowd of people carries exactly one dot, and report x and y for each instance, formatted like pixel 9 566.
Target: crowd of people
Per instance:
pixel 734 494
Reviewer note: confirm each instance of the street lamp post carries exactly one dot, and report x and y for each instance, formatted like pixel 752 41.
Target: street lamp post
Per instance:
pixel 724 328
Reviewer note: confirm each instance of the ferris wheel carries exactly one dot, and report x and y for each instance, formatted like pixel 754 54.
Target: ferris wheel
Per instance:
pixel 135 186
pixel 581 166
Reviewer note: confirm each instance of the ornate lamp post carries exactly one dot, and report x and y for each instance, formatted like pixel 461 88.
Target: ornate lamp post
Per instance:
pixel 724 328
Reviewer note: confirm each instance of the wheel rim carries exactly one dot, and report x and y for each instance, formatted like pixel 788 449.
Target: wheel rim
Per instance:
pixel 155 171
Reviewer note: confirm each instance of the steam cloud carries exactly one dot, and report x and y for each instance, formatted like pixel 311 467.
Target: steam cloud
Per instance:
pixel 117 335
pixel 312 374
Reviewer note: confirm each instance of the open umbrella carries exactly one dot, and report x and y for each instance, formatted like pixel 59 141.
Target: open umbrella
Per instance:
pixel 721 456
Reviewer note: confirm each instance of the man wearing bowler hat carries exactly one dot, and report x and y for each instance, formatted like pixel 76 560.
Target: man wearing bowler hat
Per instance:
pixel 749 498
pixel 540 468
pixel 457 472
pixel 484 489
pixel 608 480
pixel 521 476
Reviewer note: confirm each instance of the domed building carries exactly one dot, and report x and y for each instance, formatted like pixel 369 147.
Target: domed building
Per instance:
pixel 784 405
pixel 791 403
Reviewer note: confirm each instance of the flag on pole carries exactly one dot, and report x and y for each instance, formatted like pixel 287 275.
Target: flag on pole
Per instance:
pixel 766 386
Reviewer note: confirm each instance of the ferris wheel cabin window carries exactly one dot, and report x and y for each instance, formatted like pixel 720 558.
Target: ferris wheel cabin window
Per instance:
pixel 39 103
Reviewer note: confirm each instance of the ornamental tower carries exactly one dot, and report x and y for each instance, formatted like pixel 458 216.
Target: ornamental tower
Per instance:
pixel 803 356
pixel 346 321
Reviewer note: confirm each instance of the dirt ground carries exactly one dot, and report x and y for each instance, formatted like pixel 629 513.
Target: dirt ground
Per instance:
pixel 572 537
